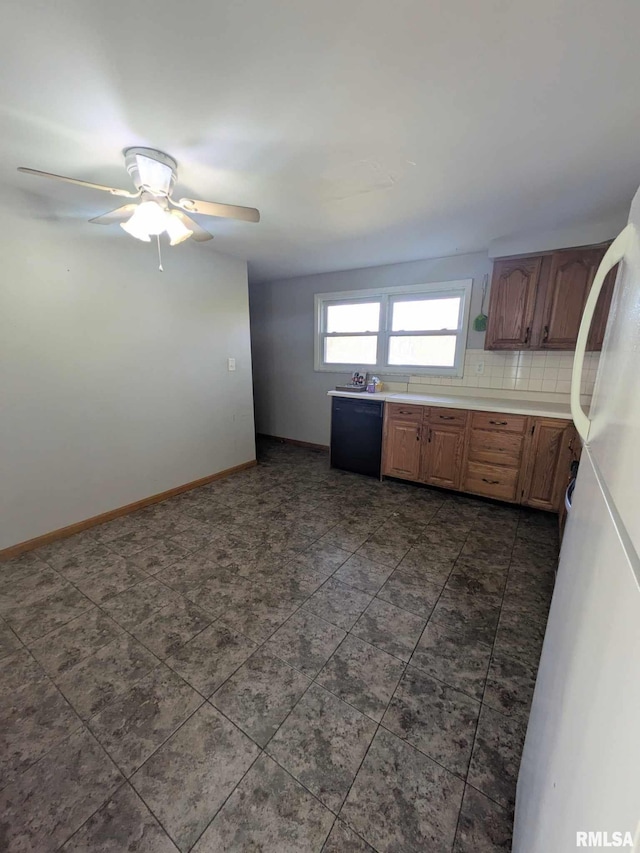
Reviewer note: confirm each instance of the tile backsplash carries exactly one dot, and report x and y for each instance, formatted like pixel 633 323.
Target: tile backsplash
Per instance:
pixel 516 372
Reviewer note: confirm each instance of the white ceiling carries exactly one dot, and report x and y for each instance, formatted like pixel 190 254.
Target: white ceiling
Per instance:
pixel 366 131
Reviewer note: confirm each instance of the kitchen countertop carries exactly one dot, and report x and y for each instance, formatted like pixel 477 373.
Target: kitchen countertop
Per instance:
pixel 481 404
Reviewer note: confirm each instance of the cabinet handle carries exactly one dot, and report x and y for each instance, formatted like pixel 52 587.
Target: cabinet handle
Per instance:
pixel 429 439
pixel 499 423
pixel 405 412
pixel 491 482
pixel 418 435
pixel 526 334
pixel 447 417
pixel 545 337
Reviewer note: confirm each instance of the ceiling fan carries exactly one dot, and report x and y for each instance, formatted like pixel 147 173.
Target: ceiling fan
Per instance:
pixel 154 176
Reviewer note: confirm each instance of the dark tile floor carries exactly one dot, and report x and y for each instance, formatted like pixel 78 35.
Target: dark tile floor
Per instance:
pixel 292 659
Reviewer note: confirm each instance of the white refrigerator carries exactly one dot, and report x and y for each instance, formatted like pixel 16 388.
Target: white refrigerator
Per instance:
pixel 579 781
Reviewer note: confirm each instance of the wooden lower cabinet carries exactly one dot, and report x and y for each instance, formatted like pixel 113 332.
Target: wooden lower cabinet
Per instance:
pixel 494 457
pixel 549 461
pixel 491 481
pixel 511 458
pixel 401 449
pixel 495 448
pixel 442 455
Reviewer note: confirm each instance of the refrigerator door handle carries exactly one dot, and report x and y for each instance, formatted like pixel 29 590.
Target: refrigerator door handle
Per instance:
pixel 612 256
pixel 568 495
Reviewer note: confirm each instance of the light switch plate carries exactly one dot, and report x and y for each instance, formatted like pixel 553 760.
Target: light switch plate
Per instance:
pixel 231 364
pixel 480 368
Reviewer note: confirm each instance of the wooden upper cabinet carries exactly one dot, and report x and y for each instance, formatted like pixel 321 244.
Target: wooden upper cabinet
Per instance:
pixel 401 452
pixel 514 286
pixel 537 302
pixel 570 279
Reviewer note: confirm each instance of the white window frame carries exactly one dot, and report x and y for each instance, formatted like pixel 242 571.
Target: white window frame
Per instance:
pixel 387 296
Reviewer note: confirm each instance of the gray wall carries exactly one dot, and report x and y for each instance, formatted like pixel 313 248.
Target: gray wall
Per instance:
pixel 113 376
pixel 575 234
pixel 290 397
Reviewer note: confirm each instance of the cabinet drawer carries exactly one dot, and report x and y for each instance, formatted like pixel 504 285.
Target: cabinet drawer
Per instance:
pixel 497 420
pixel 401 412
pixel 491 481
pixel 448 417
pixel 496 448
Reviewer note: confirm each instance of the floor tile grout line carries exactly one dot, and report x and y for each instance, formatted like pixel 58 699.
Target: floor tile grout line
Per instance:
pixel 62 624
pixel 351 829
pixel 139 793
pixel 228 797
pixel 473 744
pixel 364 757
pixel 460 777
pixel 378 726
pixel 77 829
pixel 205 700
pixel 88 726
pixel 482 701
pixel 262 749
pixel 475 734
pixel 63 737
pixel 136 681
pixel 501 806
pixel 311 681
pixel 402 676
pixel 262 643
pixel 160 660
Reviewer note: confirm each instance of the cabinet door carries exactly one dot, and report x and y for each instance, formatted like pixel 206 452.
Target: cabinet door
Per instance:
pixel 442 456
pixel 511 304
pixel 401 452
pixel 599 322
pixel 572 273
pixel 548 465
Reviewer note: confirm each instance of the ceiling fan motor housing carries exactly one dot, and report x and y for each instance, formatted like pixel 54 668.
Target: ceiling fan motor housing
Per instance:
pixel 157 172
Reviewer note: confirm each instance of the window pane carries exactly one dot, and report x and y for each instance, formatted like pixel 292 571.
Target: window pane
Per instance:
pixel 356 317
pixel 423 350
pixel 348 350
pixel 423 315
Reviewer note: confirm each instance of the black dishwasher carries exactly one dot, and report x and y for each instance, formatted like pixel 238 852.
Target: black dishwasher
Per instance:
pixel 356 435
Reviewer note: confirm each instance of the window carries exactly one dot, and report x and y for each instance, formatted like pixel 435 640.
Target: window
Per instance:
pixel 420 329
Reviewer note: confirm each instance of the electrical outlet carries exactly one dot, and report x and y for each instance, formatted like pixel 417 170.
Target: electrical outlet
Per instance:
pixel 480 368
pixel 231 364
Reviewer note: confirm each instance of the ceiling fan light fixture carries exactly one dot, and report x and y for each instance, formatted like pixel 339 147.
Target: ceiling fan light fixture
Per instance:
pixel 177 230
pixel 148 219
pixel 135 229
pixel 151 216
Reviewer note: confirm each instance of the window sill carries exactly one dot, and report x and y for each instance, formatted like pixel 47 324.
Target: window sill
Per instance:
pixel 341 369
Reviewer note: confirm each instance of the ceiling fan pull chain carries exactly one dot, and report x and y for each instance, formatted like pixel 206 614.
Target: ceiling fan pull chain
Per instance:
pixel 160 267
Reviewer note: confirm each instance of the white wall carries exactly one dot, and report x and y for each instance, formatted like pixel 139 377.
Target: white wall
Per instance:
pixel 113 376
pixel 290 397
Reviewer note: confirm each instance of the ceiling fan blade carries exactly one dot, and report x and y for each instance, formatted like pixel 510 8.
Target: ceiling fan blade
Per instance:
pixel 112 190
pixel 199 233
pixel 225 211
pixel 120 214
